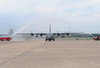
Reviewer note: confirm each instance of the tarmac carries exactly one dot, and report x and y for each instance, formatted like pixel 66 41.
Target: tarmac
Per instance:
pixel 57 54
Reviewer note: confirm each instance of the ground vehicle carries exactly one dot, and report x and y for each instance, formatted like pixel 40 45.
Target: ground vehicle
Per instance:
pixel 97 38
pixel 5 38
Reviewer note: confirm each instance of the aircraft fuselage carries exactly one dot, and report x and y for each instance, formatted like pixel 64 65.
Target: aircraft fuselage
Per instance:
pixel 49 37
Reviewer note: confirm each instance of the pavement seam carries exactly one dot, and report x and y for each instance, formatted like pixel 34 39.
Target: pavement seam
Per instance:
pixel 21 54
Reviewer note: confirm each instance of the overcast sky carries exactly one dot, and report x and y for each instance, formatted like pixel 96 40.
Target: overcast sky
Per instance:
pixel 64 15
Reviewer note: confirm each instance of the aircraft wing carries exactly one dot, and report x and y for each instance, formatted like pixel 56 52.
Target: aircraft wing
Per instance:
pixel 58 34
pixel 43 34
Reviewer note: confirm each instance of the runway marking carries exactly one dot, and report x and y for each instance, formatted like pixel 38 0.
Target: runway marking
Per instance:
pixel 22 54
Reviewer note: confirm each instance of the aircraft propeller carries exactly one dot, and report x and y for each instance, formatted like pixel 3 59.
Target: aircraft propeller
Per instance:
pixel 68 34
pixel 32 33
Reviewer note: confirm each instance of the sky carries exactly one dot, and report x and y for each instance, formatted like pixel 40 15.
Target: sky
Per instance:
pixel 63 15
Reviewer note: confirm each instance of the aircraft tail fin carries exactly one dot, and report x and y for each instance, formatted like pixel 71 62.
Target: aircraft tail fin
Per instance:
pixel 10 32
pixel 50 28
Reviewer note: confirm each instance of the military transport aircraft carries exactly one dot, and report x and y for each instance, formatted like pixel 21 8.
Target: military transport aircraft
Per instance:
pixel 49 36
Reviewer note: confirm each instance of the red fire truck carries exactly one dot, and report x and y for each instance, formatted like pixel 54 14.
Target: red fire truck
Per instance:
pixel 5 38
pixel 97 38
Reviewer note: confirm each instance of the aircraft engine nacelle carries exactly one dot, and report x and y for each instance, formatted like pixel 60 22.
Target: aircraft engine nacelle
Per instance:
pixel 58 34
pixel 67 34
pixel 32 34
pixel 41 34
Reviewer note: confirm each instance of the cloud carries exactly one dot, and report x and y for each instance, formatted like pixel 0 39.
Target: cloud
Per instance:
pixel 97 15
pixel 57 8
pixel 82 11
pixel 39 6
pixel 96 1
pixel 45 6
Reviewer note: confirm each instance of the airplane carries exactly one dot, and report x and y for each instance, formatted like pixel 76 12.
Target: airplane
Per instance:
pixel 6 37
pixel 49 36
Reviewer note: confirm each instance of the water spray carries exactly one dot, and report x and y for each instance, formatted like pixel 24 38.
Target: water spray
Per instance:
pixel 78 27
pixel 23 28
pixel 54 19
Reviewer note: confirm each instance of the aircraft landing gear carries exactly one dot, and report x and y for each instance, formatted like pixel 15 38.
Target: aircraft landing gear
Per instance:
pixel 53 39
pixel 49 39
pixel 45 39
pixel 1 39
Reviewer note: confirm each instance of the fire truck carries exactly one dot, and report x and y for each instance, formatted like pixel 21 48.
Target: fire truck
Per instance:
pixel 5 38
pixel 97 38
